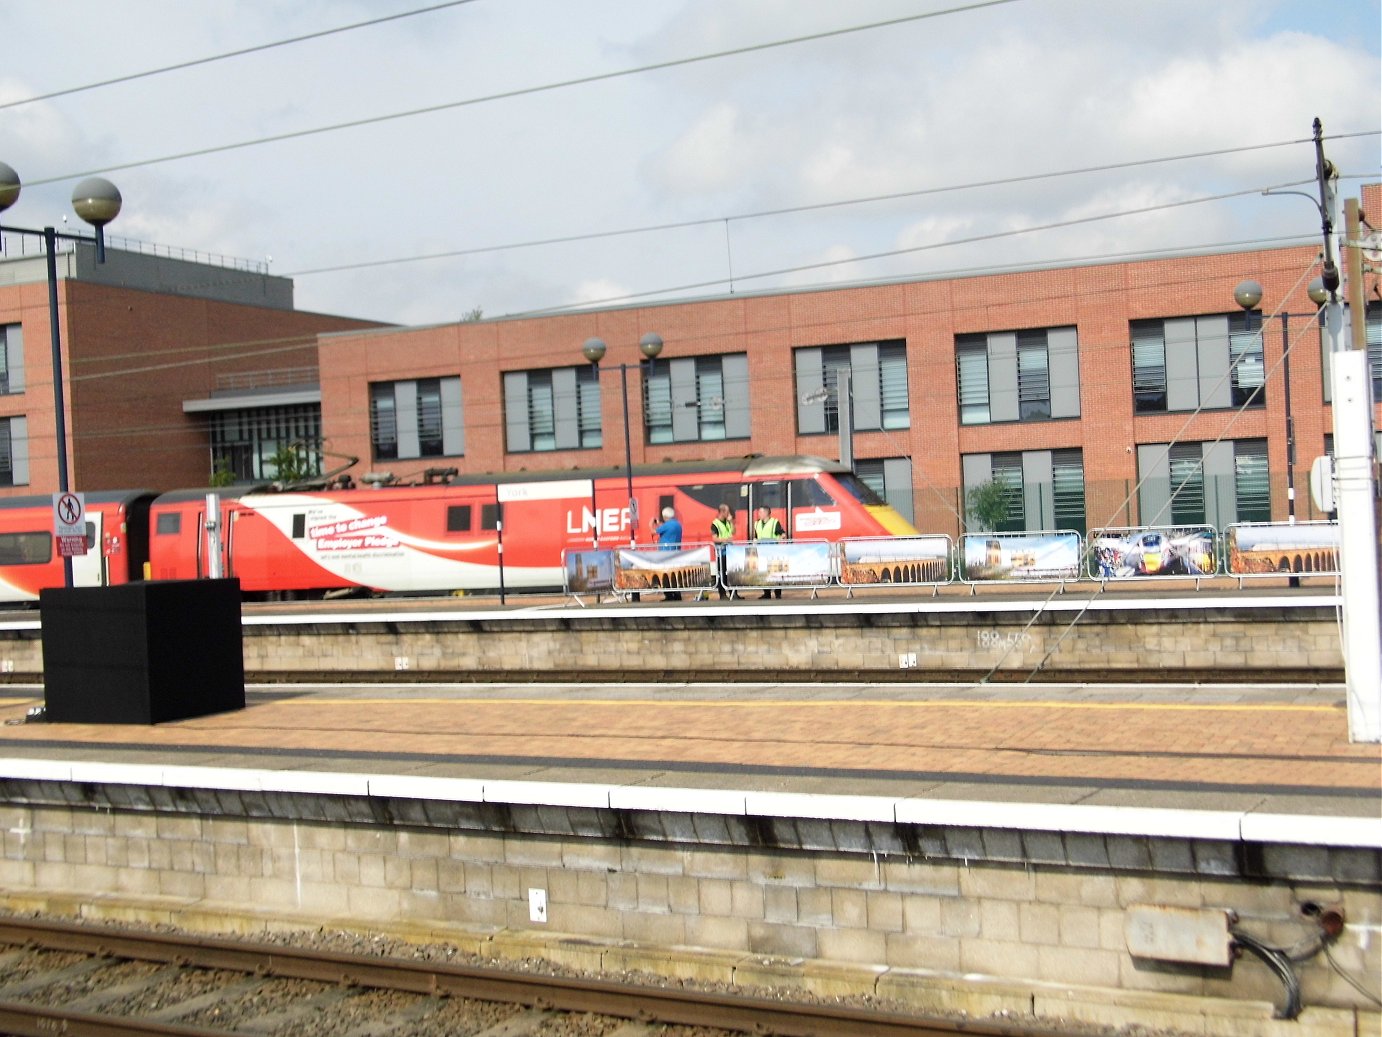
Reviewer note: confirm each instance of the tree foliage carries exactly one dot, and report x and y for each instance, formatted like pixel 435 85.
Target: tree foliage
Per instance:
pixel 986 505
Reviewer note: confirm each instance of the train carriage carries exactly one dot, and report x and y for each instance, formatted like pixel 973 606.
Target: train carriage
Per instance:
pixel 117 543
pixel 446 536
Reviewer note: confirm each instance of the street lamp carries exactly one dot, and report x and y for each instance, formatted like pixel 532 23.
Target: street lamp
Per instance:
pixel 1248 295
pixel 97 201
pixel 650 345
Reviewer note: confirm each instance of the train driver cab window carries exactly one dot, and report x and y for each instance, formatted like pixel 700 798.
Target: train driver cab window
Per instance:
pixel 807 493
pixel 458 518
pixel 169 523
pixel 489 516
pixel 860 490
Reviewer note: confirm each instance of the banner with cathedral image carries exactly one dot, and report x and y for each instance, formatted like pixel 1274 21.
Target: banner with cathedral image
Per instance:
pixel 767 564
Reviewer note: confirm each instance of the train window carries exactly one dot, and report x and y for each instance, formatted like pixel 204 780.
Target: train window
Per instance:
pixel 458 518
pixel 169 523
pixel 807 493
pixel 712 495
pixel 489 516
pixel 858 489
pixel 769 495
pixel 299 526
pixel 25 548
pixel 91 536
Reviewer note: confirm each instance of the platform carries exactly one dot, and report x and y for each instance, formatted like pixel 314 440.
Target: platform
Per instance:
pixel 1229 750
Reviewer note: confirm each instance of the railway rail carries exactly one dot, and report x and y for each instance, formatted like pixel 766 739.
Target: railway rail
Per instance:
pixel 99 981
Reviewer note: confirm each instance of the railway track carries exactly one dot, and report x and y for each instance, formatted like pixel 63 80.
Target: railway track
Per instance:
pixel 69 978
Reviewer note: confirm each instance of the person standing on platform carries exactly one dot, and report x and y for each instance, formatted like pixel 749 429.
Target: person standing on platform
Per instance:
pixel 721 533
pixel 668 534
pixel 767 528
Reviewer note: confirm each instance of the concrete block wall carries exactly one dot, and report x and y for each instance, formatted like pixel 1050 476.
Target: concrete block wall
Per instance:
pixel 944 930
pixel 1304 643
pixel 620 644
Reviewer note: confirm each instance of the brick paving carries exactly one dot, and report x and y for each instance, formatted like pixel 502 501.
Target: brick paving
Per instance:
pixel 1296 747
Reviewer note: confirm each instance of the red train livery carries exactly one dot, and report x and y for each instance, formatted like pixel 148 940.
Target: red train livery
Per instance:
pixel 434 537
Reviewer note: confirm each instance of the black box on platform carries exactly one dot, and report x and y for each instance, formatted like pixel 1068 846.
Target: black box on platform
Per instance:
pixel 142 653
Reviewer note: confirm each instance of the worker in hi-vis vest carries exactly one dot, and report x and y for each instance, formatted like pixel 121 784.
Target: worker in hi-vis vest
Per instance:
pixel 721 533
pixel 765 527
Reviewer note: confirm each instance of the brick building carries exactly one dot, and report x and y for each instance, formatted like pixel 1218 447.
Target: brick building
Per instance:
pixel 1104 394
pixel 166 360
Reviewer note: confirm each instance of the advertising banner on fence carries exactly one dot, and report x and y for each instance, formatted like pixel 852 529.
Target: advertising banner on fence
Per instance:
pixel 651 569
pixel 1020 556
pixel 777 563
pixel 1273 548
pixel 1138 552
pixel 589 572
pixel 896 560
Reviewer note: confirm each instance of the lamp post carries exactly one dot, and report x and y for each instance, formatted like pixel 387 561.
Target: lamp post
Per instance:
pixel 1248 295
pixel 650 345
pixel 97 201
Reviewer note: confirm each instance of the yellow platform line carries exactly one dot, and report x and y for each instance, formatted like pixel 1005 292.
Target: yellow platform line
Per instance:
pixel 1265 707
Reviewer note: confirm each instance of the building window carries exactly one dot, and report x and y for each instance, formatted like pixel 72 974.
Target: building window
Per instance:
pixel 245 444
pixel 556 409
pixel 416 418
pixel 11 358
pixel 875 374
pixel 1374 336
pixel 1251 484
pixel 14 451
pixel 1196 484
pixel 1041 489
pixel 891 479
pixel 1189 363
pixel 693 399
pixel 1246 364
pixel 1018 376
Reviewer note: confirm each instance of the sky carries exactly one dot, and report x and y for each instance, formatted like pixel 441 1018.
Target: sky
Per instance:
pixel 516 156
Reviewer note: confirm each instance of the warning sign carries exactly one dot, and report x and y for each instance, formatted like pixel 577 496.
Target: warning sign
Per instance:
pixel 69 523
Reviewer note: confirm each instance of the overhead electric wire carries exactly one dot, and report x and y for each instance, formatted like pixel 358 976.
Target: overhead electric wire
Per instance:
pixel 812 207
pixel 971 240
pixel 1190 417
pixel 598 77
pixel 228 54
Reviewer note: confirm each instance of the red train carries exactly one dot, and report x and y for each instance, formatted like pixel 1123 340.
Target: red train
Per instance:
pixel 434 537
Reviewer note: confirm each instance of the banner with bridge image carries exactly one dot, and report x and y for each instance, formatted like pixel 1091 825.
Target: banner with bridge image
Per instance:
pixel 1144 552
pixel 1020 557
pixel 899 561
pixel 1280 548
pixel 652 569
pixel 779 563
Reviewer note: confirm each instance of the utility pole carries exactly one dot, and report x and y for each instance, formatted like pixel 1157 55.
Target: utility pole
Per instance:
pixel 1354 490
